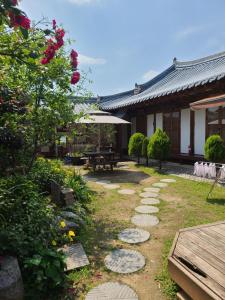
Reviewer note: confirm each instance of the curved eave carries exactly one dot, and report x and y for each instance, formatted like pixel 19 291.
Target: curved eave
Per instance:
pixel 157 95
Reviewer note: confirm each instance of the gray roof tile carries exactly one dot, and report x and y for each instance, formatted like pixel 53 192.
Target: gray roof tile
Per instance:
pixel 180 76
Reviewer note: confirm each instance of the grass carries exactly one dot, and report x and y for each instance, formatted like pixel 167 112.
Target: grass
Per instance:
pixel 182 205
pixel 192 209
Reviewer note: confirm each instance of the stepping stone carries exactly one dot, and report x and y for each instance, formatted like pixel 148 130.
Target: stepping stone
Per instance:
pixel 148 194
pixel 90 178
pixel 111 186
pixel 152 190
pixel 112 291
pixel 150 201
pixel 124 261
pixel 169 180
pixel 126 192
pixel 145 220
pixel 75 256
pixel 103 182
pixel 134 235
pixel 146 209
pixel 160 184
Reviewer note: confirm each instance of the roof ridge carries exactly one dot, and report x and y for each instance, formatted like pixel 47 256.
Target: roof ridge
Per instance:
pixel 199 60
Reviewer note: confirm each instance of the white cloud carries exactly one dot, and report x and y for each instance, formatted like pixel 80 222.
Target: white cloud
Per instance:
pixel 186 32
pixel 83 2
pixel 87 60
pixel 149 75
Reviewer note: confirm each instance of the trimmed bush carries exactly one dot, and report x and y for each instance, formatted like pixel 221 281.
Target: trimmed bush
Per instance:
pixel 135 145
pixel 215 149
pixel 144 151
pixel 159 146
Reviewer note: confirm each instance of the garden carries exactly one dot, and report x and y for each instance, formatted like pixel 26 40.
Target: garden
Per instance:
pixel 46 205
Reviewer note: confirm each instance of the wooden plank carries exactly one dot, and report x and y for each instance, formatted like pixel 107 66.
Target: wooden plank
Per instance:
pixel 202 226
pixel 211 272
pixel 202 253
pixel 207 283
pixel 220 230
pixel 189 282
pixel 218 239
pixel 212 240
pixel 205 245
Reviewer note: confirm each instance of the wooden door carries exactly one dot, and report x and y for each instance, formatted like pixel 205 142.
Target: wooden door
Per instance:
pixel 171 125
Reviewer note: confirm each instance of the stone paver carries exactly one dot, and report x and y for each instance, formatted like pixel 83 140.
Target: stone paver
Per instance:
pixel 112 291
pixel 124 261
pixel 145 220
pixel 87 178
pixel 148 195
pixel 146 209
pixel 152 189
pixel 169 180
pixel 160 184
pixel 75 256
pixel 150 201
pixel 134 235
pixel 126 192
pixel 111 186
pixel 103 182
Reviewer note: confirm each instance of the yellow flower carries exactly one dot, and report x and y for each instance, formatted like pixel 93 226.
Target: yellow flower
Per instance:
pixel 54 243
pixel 62 224
pixel 71 233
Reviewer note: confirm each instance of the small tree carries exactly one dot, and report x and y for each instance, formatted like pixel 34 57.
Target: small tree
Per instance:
pixel 215 148
pixel 144 150
pixel 159 146
pixel 135 145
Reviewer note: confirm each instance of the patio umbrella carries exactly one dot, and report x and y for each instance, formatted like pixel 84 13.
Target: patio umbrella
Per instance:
pixel 101 117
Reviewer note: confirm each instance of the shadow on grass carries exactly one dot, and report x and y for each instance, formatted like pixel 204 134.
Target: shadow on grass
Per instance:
pixel 120 176
pixel 96 238
pixel 216 201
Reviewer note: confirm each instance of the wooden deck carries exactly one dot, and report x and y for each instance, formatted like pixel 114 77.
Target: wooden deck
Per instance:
pixel 197 261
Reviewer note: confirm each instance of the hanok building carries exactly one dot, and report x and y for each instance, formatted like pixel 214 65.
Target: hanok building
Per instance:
pixel 187 100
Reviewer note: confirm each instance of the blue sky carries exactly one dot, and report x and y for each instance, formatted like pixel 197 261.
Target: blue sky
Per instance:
pixel 129 41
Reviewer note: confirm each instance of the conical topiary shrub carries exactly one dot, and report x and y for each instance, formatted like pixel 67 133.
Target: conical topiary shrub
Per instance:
pixel 159 146
pixel 215 149
pixel 135 145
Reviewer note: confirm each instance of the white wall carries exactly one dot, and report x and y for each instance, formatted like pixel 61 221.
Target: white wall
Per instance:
pixel 199 131
pixel 133 125
pixel 185 130
pixel 159 121
pixel 150 125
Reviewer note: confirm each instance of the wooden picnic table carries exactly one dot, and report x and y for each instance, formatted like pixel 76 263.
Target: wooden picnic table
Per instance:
pixel 100 158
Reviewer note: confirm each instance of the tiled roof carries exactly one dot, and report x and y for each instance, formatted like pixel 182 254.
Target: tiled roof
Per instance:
pixel 180 76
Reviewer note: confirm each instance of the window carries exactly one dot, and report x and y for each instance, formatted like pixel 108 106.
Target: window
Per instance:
pixel 216 121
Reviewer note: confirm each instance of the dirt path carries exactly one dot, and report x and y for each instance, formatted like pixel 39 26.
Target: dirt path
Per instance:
pixel 112 214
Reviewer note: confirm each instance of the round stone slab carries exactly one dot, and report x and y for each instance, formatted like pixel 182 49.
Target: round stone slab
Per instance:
pixel 144 220
pixel 111 186
pixel 152 190
pixel 112 291
pixel 150 201
pixel 160 184
pixel 126 192
pixel 146 209
pixel 90 178
pixel 169 180
pixel 103 182
pixel 124 261
pixel 148 194
pixel 134 235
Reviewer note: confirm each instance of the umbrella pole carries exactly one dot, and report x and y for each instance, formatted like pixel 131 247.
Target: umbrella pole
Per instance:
pixel 99 137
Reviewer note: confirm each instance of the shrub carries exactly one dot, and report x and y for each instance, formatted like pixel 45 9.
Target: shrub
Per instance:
pixel 44 170
pixel 27 231
pixel 135 145
pixel 214 149
pixel 144 150
pixel 159 146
